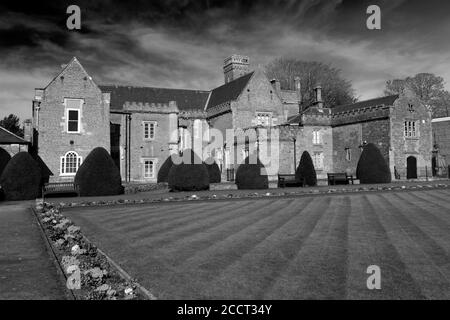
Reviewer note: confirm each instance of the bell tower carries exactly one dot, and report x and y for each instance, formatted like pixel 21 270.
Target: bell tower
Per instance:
pixel 235 66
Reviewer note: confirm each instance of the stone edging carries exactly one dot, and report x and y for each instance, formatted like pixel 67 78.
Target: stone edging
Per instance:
pixel 100 276
pixel 214 197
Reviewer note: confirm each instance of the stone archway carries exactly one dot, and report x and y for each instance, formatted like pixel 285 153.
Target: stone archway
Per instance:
pixel 411 167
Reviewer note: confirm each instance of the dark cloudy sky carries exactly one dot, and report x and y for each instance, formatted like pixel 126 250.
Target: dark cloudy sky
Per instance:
pixel 182 43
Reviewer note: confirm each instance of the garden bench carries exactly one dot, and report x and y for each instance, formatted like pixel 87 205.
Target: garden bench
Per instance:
pixel 60 187
pixel 289 180
pixel 339 178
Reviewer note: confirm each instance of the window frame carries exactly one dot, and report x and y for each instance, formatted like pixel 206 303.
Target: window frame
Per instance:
pixel 78 110
pixel 149 122
pixel 265 113
pixel 154 163
pixel 410 129
pixel 317 137
pixel 316 153
pixel 63 164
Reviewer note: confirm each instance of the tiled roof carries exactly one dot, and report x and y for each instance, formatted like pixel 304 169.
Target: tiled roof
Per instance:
pixel 7 137
pixel 229 91
pixel 185 99
pixel 387 101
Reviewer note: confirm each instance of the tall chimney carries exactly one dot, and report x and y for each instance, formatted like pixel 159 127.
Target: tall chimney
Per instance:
pixel 235 66
pixel 298 90
pixel 28 130
pixel 318 91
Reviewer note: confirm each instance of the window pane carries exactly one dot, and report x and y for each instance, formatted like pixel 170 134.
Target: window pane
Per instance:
pixel 73 126
pixel 73 115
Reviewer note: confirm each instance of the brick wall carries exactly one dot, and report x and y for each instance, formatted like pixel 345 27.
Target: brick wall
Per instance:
pixel 54 140
pixel 441 137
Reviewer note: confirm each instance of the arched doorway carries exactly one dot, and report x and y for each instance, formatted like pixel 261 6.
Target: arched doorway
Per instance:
pixel 411 167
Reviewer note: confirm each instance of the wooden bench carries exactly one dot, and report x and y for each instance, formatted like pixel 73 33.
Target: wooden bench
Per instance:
pixel 339 178
pixel 289 180
pixel 60 187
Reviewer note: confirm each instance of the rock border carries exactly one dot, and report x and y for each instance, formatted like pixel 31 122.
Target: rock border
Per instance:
pixel 86 271
pixel 262 194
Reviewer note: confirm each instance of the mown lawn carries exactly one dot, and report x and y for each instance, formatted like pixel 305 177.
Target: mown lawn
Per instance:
pixel 311 247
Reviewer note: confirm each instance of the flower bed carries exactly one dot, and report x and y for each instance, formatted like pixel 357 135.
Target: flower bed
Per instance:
pixel 132 188
pixel 89 274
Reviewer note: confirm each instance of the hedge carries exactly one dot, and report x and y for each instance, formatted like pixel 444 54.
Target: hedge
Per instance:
pixel 163 172
pixel 248 175
pixel 189 175
pixel 372 167
pixel 306 171
pixel 98 175
pixel 215 176
pixel 21 178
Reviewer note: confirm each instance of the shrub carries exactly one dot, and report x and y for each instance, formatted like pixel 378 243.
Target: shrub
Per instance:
pixel 189 175
pixel 98 175
pixel 21 178
pixel 248 175
pixel 215 176
pixel 372 167
pixel 4 159
pixel 305 170
pixel 163 172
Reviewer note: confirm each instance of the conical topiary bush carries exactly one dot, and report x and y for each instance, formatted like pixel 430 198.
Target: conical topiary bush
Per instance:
pixel 21 178
pixel 98 175
pixel 163 172
pixel 190 175
pixel 372 167
pixel 214 173
pixel 251 174
pixel 4 159
pixel 306 171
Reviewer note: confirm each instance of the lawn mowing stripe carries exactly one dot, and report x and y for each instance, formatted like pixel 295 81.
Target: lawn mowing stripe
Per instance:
pixel 415 248
pixel 365 244
pixel 201 226
pixel 162 266
pixel 188 213
pixel 443 195
pixel 223 252
pixel 436 199
pixel 147 213
pixel 396 280
pixel 319 268
pixel 437 254
pixel 258 269
pixel 427 215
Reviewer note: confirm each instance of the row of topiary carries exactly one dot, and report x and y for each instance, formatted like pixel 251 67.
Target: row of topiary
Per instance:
pixel 371 168
pixel 21 178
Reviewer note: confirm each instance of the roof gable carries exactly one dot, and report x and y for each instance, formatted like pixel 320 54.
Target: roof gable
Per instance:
pixel 185 99
pixel 7 137
pixel 229 91
pixel 74 63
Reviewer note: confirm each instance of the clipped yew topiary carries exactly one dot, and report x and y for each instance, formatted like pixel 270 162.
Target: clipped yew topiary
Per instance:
pixel 190 175
pixel 306 171
pixel 163 172
pixel 214 173
pixel 251 174
pixel 372 167
pixel 4 159
pixel 21 178
pixel 98 175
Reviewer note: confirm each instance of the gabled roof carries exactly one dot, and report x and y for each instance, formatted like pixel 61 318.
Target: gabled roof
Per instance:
pixel 74 60
pixel 387 101
pixel 185 99
pixel 229 91
pixel 7 137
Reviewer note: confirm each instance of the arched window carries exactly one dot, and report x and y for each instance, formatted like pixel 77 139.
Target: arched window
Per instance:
pixel 70 163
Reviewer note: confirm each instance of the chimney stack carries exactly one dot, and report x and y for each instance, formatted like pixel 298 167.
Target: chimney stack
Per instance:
pixel 28 130
pixel 318 91
pixel 298 90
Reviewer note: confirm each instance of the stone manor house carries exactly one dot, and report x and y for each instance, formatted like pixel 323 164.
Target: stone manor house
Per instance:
pixel 142 126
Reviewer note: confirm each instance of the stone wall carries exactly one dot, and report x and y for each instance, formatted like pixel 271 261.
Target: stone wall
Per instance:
pixel 441 138
pixel 50 121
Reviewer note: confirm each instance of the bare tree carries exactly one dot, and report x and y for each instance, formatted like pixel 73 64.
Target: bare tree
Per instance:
pixel 335 89
pixel 427 86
